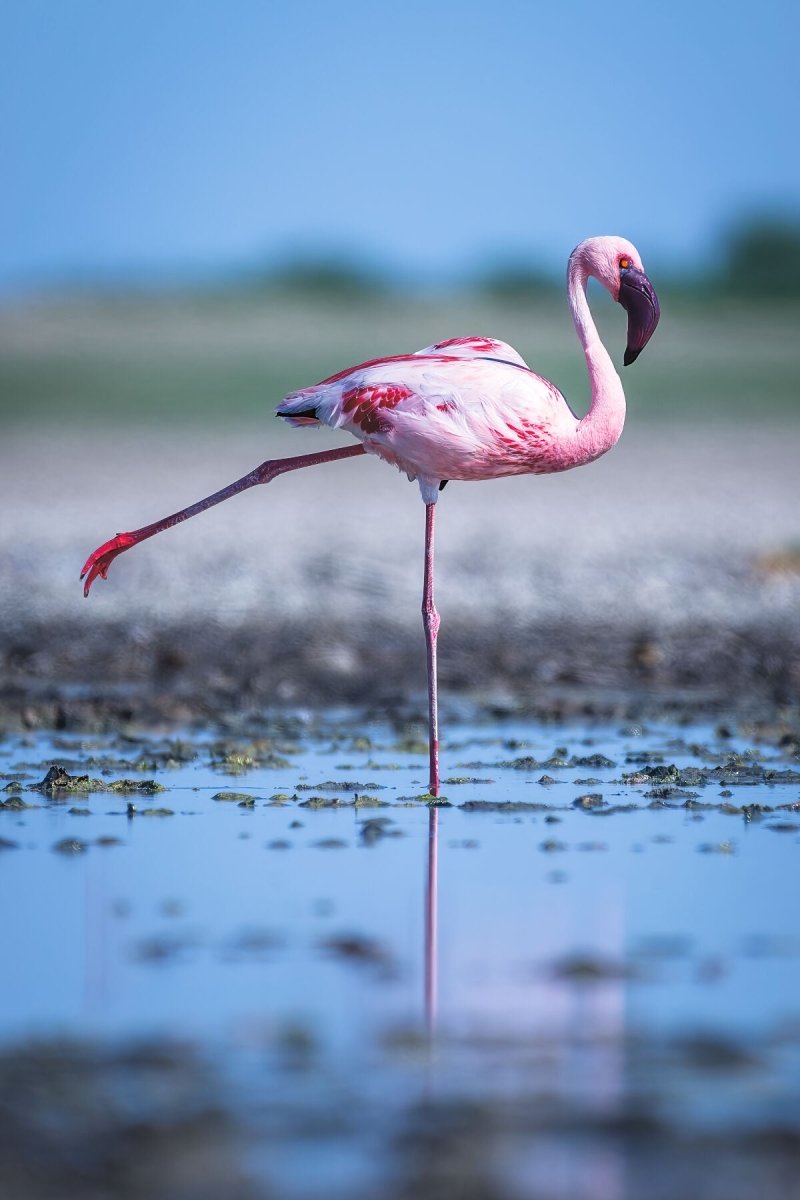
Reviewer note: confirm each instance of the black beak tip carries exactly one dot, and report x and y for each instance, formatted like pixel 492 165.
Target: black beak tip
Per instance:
pixel 637 297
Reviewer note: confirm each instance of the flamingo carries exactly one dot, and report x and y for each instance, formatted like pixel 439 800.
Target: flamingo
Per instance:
pixel 468 408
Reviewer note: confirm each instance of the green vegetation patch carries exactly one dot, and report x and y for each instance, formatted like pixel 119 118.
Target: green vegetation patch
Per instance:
pixel 58 780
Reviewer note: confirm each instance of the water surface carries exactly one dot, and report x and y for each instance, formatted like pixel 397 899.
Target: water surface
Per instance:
pixel 598 926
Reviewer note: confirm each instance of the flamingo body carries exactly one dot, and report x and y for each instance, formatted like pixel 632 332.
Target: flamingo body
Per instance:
pixel 438 417
pixel 467 408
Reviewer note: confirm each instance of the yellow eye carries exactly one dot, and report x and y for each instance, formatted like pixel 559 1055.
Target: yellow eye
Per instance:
pixel 624 263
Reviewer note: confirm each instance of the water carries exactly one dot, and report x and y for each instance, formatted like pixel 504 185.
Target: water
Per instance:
pixel 631 956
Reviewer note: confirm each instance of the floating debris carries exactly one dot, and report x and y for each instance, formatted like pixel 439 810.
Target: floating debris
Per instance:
pixel 144 787
pixel 252 943
pixel 503 806
pixel 360 950
pixel 376 829
pixel 611 810
pixel 238 759
pixel 161 948
pixel 598 761
pixel 325 802
pixel 711 1052
pixel 339 785
pixel 587 969
pixel 660 774
pixel 526 763
pixel 70 846
pixel 455 780
pixel 668 792
pixel 590 800
pixel 58 779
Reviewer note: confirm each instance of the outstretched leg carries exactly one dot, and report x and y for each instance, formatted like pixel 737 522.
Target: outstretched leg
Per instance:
pixel 99 562
pixel 430 620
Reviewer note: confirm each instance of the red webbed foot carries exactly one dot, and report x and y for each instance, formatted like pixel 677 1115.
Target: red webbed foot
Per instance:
pixel 99 562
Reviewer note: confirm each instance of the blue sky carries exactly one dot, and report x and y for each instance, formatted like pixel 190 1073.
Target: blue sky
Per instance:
pixel 172 135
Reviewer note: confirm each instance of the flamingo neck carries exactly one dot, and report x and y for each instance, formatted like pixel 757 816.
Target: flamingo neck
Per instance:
pixel 601 427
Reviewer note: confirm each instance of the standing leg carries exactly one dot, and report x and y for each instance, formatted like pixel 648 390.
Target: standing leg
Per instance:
pixel 430 620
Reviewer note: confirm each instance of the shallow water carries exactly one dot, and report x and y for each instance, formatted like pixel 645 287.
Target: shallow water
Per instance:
pixel 626 956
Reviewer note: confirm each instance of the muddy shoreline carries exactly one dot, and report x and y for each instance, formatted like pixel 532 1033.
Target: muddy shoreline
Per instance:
pixel 75 676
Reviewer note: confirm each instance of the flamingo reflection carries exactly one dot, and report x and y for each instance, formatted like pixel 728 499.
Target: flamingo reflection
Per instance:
pixel 431 922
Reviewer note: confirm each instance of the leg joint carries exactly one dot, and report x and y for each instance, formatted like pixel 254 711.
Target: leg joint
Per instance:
pixel 430 618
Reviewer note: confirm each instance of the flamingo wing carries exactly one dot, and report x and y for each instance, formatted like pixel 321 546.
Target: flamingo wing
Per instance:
pixel 474 347
pixel 440 416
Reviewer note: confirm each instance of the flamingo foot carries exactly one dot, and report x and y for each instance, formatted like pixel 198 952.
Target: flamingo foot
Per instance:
pixel 97 564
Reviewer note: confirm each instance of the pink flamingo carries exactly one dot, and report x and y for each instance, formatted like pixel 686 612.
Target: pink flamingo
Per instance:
pixel 469 408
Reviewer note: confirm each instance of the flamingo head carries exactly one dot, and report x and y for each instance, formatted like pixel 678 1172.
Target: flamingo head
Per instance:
pixel 617 264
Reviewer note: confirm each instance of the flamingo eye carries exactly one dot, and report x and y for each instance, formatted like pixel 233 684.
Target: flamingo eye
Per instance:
pixel 624 263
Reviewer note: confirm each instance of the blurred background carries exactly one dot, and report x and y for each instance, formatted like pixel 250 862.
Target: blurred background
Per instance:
pixel 206 205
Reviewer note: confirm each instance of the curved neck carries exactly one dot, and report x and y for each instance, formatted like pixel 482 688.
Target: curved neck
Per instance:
pixel 602 425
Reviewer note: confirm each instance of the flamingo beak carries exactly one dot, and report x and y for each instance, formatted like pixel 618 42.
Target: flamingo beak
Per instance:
pixel 637 296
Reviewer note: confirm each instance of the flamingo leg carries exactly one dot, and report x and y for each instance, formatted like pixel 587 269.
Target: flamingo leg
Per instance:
pixel 430 621
pixel 102 558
